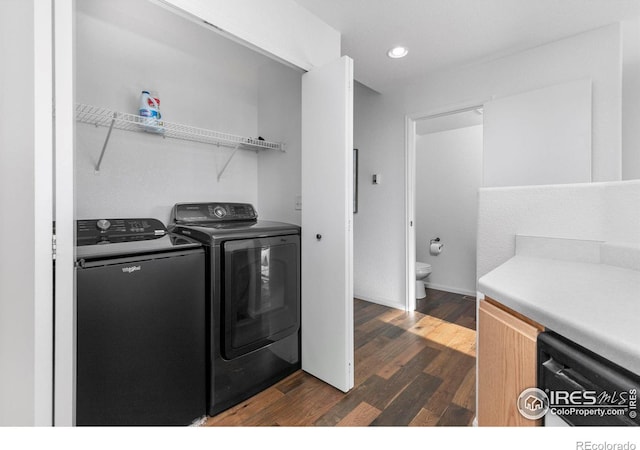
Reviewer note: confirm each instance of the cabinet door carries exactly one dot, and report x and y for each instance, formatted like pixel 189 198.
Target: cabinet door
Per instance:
pixel 327 213
pixel 506 366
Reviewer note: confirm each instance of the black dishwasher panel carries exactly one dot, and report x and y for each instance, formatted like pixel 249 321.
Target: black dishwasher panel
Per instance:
pixel 141 340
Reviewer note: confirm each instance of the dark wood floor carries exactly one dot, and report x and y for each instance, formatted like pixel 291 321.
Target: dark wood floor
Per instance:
pixel 410 369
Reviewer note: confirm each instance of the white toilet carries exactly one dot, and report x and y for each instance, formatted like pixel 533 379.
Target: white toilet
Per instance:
pixel 422 270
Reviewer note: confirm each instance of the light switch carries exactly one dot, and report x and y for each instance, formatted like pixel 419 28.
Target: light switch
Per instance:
pixel 298 201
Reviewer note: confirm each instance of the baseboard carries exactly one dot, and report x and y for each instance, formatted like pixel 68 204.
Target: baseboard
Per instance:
pixel 380 301
pixel 454 290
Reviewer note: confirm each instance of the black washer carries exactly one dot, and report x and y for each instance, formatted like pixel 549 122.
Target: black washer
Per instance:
pixel 141 345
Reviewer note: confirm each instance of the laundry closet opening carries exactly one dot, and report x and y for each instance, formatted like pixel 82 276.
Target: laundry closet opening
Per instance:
pixel 448 173
pixel 224 139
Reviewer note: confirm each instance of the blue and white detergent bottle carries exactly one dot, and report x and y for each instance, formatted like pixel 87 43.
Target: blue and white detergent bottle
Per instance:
pixel 150 110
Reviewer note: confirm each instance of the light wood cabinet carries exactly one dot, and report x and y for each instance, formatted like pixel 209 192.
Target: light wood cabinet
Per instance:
pixel 506 364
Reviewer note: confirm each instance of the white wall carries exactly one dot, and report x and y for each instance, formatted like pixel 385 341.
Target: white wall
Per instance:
pixel 378 235
pixel 448 175
pixel 379 125
pixel 279 120
pixel 594 55
pixel 17 315
pixel 202 79
pixel 590 211
pixel 539 137
pixel 631 99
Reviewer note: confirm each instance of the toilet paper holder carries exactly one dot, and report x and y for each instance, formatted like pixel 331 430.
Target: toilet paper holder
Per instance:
pixel 435 246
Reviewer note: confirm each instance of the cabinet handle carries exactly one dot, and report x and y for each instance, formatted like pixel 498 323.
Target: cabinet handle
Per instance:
pixel 318 236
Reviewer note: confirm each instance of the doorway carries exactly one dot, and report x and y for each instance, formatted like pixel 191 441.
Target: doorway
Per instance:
pixel 444 172
pixel 239 90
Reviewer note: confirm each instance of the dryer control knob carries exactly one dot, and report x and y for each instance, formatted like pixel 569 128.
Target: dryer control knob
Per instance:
pixel 220 212
pixel 103 224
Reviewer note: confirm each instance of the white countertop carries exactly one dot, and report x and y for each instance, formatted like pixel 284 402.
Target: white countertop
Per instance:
pixel 593 304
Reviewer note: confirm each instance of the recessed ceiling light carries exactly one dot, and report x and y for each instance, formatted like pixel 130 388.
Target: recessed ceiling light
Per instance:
pixel 398 52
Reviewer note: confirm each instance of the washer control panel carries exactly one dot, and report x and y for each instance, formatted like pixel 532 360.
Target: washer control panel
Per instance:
pixel 193 213
pixel 96 231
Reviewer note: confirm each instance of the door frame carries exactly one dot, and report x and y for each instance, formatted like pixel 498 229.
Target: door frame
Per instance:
pixel 410 189
pixel 43 214
pixel 64 200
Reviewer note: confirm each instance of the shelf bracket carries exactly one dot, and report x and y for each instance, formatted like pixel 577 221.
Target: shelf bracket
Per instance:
pixel 106 141
pixel 226 164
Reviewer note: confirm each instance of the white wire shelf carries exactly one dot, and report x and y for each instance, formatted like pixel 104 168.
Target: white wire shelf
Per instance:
pixel 105 117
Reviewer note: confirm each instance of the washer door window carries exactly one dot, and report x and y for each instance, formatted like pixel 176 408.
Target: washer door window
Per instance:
pixel 261 292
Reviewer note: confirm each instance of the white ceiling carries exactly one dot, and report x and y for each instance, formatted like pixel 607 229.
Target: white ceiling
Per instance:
pixel 442 34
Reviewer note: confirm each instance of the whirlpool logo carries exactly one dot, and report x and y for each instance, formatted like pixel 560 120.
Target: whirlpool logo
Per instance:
pixel 131 269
